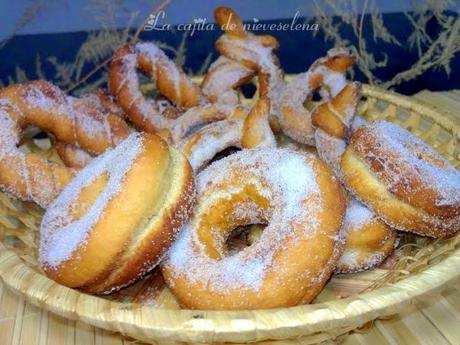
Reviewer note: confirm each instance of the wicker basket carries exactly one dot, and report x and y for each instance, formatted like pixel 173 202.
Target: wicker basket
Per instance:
pixel 420 266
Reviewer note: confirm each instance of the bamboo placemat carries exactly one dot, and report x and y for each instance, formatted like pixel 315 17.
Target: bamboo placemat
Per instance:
pixel 435 320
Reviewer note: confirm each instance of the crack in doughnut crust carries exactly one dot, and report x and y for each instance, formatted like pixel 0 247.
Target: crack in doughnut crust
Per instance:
pixel 115 220
pixel 303 204
pixel 404 180
pixel 28 176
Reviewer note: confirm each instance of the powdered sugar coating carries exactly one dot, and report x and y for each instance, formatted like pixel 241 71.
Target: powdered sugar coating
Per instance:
pixel 213 138
pixel 412 151
pixel 223 75
pixel 286 184
pixel 87 121
pixel 357 215
pixel 250 49
pixel 60 234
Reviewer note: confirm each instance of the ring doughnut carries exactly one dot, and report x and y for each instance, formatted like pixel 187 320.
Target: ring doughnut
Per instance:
pixel 403 180
pixel 115 220
pixel 303 204
pixel 368 240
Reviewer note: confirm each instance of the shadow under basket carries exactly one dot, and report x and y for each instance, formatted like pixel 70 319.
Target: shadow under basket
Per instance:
pixel 147 311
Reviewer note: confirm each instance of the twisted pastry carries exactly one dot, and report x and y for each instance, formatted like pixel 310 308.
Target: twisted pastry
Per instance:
pixel 171 82
pixel 223 78
pixel 241 130
pixel 326 74
pixel 369 241
pixel 256 52
pixel 72 155
pixel 30 177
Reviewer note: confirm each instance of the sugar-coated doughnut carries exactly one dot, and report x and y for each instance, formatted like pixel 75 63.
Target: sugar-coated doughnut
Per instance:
pixel 403 180
pixel 368 240
pixel 115 220
pixel 303 204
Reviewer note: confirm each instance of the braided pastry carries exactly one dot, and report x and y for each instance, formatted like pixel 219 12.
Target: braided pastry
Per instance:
pixel 253 51
pixel 171 82
pixel 241 130
pixel 30 177
pixel 72 155
pixel 326 74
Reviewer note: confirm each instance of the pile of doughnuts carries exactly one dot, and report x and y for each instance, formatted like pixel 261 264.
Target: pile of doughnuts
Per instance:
pixel 166 181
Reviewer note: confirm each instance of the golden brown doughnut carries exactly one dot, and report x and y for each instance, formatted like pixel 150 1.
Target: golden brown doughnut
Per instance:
pixel 303 204
pixel 403 180
pixel 368 240
pixel 115 220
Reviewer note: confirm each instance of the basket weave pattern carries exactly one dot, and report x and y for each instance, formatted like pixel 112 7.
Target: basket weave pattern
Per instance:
pixel 421 266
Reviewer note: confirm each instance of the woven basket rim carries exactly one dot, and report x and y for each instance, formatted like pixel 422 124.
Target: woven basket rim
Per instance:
pixel 237 326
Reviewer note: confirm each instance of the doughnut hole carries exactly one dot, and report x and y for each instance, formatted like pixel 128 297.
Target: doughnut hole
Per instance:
pixel 243 236
pixel 243 208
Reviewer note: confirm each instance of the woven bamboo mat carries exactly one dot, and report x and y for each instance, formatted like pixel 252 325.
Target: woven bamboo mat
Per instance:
pixel 435 320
